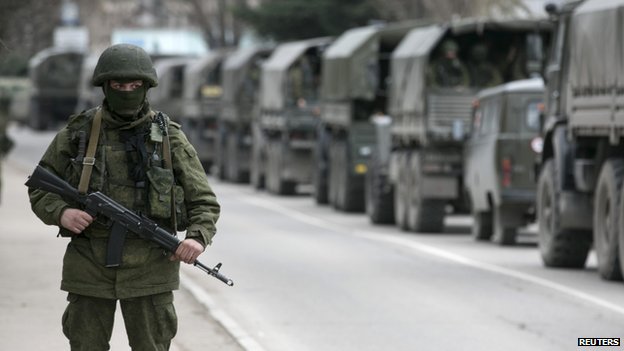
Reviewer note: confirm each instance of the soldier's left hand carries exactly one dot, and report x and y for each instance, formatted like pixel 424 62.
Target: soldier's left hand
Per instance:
pixel 188 251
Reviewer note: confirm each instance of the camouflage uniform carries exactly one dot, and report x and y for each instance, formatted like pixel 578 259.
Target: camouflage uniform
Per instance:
pixel 448 72
pixel 482 72
pixel 146 277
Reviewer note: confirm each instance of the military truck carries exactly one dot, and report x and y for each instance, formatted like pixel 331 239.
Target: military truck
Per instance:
pixel 423 165
pixel 54 73
pixel 239 107
pixel 201 98
pixel 353 89
pixel 285 134
pixel 14 98
pixel 168 96
pixel 579 193
pixel 500 156
pixel 88 95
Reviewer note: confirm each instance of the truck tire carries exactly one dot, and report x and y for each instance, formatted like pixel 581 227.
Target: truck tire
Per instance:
pixel 320 174
pixel 621 232
pixel 258 167
pixel 606 218
pixel 379 194
pixel 481 225
pixel 558 247
pixel 346 196
pixel 400 192
pixel 220 150
pixel 38 119
pixel 423 215
pixel 234 172
pixel 275 183
pixel 505 228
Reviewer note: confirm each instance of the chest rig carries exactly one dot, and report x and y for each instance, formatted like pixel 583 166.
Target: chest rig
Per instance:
pixel 143 148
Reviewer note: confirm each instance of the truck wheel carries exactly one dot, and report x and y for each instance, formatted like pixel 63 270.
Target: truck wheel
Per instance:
pixel 258 169
pixel 424 215
pixel 219 154
pixel 481 225
pixel 379 194
pixel 558 247
pixel 320 174
pixel 347 198
pixel 38 118
pixel 275 183
pixel 319 180
pixel 606 218
pixel 332 174
pixel 505 228
pixel 233 167
pixel 620 232
pixel 400 192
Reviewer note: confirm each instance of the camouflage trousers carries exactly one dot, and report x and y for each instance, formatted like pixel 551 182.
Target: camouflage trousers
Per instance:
pixel 150 322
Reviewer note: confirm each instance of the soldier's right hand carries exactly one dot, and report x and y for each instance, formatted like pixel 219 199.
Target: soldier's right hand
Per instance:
pixel 75 220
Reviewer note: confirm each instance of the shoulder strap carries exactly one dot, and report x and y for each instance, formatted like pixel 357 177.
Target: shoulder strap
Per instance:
pixel 89 159
pixel 168 162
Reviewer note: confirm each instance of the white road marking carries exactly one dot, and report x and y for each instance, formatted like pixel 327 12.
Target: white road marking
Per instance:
pixel 238 333
pixel 433 251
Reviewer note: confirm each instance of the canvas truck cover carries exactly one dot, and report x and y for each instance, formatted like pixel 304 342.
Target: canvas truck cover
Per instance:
pixel 350 63
pixel 235 69
pixel 163 71
pixel 195 73
pixel 275 71
pixel 408 68
pixel 596 71
pixel 345 63
pixel 411 57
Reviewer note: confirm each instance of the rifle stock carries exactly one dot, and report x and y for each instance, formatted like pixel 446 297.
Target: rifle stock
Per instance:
pixel 121 218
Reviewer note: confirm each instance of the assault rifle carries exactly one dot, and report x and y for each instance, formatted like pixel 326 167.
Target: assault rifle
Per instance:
pixel 121 219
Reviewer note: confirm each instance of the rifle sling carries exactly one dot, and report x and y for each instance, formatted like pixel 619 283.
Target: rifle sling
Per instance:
pixel 169 165
pixel 89 159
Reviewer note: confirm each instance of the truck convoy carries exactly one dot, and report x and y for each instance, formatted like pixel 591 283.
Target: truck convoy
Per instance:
pixel 239 107
pixel 353 89
pixel 582 164
pixel 436 72
pixel 201 100
pixel 285 134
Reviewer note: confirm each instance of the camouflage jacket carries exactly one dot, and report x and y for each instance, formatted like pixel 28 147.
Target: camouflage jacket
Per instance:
pixel 145 269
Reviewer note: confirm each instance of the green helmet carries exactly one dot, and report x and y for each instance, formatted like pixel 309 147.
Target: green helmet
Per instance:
pixel 449 45
pixel 124 61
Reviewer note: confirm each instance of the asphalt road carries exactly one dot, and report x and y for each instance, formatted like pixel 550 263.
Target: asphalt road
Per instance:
pixel 310 278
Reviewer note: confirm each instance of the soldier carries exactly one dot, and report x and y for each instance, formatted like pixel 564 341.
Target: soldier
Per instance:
pixel 144 161
pixel 482 72
pixel 448 70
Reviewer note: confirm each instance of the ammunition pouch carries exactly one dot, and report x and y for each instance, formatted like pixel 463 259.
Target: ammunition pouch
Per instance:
pixel 159 196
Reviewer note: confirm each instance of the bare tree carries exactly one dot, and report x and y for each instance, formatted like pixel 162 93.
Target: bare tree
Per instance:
pixel 216 21
pixel 26 27
pixel 399 10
